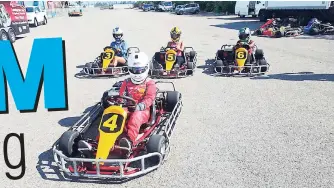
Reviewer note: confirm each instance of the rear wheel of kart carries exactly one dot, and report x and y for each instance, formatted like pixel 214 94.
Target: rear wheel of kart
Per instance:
pixel 156 143
pixel 314 31
pixel 278 34
pixel 219 64
pixel 35 23
pixel 11 35
pixel 190 65
pixel 263 62
pixel 68 143
pixel 172 98
pixel 192 55
pixel 3 35
pixel 259 54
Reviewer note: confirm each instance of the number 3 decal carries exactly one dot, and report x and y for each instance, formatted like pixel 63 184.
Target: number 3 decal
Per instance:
pixel 241 55
pixel 170 57
pixel 111 123
pixel 107 55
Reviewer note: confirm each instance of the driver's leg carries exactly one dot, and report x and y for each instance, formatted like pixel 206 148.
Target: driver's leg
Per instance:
pixel 118 61
pixel 136 120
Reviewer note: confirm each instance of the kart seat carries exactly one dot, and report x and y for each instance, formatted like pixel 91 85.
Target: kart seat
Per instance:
pixel 153 115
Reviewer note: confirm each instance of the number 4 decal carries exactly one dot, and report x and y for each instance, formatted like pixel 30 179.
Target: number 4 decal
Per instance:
pixel 111 122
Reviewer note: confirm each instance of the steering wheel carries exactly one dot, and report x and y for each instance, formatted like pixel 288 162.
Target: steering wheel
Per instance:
pixel 104 49
pixel 170 48
pixel 121 102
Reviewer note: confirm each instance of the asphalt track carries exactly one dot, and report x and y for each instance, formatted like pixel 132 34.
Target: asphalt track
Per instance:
pixel 273 131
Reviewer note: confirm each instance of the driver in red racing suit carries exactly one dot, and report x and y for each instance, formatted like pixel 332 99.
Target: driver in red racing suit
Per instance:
pixel 143 90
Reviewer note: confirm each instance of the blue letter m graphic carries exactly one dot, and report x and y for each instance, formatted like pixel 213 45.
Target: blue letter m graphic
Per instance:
pixel 46 63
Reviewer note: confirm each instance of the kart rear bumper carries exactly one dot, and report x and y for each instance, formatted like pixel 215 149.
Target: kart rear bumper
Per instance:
pixel 158 73
pixel 118 169
pixel 253 70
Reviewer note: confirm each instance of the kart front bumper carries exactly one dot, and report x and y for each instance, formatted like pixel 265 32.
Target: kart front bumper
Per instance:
pixel 111 71
pixel 71 166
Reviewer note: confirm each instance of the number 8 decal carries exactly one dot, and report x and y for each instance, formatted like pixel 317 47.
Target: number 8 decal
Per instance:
pixel 170 57
pixel 241 55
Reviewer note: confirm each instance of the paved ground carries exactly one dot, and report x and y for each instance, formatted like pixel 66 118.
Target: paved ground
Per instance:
pixel 275 131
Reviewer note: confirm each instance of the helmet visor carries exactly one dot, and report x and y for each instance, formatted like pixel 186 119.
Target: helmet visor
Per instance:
pixel 137 70
pixel 174 35
pixel 118 36
pixel 243 36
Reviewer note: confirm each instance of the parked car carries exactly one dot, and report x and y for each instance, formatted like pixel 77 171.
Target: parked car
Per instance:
pixel 148 7
pixel 179 9
pixel 35 16
pixel 192 8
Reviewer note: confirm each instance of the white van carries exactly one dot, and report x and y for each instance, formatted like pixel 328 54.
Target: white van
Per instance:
pixel 165 6
pixel 248 8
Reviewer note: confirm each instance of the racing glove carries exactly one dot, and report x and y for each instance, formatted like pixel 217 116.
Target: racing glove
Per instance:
pixel 140 107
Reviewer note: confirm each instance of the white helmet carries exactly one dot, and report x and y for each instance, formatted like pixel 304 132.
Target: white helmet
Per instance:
pixel 117 33
pixel 138 67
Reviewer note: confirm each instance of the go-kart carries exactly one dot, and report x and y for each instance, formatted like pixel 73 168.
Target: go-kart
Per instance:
pixel 276 29
pixel 81 153
pixel 101 67
pixel 315 27
pixel 74 11
pixel 236 60
pixel 164 65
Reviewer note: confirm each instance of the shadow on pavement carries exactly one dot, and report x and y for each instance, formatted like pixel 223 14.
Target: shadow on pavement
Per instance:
pixel 208 67
pixel 300 76
pixel 252 25
pixel 69 121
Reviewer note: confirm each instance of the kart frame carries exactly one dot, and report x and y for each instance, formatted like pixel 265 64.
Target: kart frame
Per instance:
pixel 222 71
pixel 157 73
pixel 164 127
pixel 90 72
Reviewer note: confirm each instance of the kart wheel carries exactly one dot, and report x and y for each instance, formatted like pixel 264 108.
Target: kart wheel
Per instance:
pixel 172 98
pixel 263 62
pixel 219 64
pixel 3 35
pixel 11 35
pixel 259 54
pixel 190 65
pixel 68 143
pixel 156 143
pixel 192 55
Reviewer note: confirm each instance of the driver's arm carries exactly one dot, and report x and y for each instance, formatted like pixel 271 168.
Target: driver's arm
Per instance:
pixel 251 44
pixel 151 91
pixel 124 48
pixel 180 46
pixel 122 89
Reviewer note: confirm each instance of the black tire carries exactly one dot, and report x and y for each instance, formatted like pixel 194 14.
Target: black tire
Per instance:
pixel 278 34
pixel 156 143
pixel 242 16
pixel 190 65
pixel 254 16
pixel 259 54
pixel 3 35
pixel 314 31
pixel 192 54
pixel 68 143
pixel 172 98
pixel 263 62
pixel 11 35
pixel 218 67
pixel 45 21
pixel 35 23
